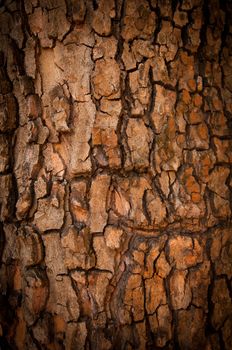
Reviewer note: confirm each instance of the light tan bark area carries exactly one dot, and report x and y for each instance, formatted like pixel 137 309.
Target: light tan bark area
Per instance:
pixel 115 174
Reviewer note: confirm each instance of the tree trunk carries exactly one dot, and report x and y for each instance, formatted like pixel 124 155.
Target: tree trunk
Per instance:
pixel 115 174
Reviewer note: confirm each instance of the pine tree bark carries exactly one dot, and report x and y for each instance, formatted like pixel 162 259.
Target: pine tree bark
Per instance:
pixel 115 174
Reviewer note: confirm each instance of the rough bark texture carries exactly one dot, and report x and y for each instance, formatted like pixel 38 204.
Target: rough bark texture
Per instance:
pixel 115 174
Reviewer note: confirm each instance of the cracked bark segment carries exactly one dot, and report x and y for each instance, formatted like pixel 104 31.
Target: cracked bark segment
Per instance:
pixel 6 200
pixel 156 208
pixel 68 58
pixel 76 335
pixel 104 135
pixel 50 212
pixel 164 107
pixel 217 181
pixel 78 202
pixel 155 294
pixel 46 23
pixel 140 88
pixel 220 251
pixel 170 40
pixel 113 237
pixel 185 252
pixel 180 291
pixel 199 280
pixel 168 152
pixel 98 201
pixel 62 297
pixel 198 136
pixel 192 322
pixel 4 153
pixel 105 47
pixel 160 324
pixel 101 21
pixel 105 256
pixel 75 250
pixel 106 79
pixel 8 112
pixel 138 20
pixel 115 174
pixel 98 283
pixel 35 289
pixel 75 149
pixel 203 162
pixel 30 247
pixel 222 303
pixel 139 139
pixel 134 297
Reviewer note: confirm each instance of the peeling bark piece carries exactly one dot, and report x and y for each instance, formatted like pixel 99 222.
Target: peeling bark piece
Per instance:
pixel 139 140
pixel 106 79
pixel 50 213
pixel 180 290
pixel 98 196
pixel 155 294
pixel 185 252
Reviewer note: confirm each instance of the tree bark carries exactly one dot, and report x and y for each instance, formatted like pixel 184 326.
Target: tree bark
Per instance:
pixel 115 174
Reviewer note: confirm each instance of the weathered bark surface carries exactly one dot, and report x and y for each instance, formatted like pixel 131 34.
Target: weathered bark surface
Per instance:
pixel 115 174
